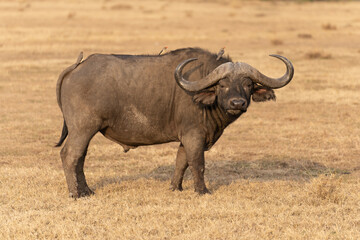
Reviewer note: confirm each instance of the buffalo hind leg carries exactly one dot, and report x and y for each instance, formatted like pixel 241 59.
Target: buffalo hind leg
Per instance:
pixel 181 165
pixel 73 158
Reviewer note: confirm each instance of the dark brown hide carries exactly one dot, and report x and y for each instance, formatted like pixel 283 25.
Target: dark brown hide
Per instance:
pixel 135 101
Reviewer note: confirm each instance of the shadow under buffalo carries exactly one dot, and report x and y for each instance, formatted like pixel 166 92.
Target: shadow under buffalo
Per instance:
pixel 220 173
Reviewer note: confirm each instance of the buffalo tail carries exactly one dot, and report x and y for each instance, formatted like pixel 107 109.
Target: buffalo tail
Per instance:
pixel 64 134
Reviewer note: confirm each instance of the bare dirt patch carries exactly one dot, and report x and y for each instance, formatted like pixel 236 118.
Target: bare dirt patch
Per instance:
pixel 318 55
pixel 329 26
pixel 304 35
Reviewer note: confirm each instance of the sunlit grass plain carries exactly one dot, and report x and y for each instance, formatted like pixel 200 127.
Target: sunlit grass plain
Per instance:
pixel 288 169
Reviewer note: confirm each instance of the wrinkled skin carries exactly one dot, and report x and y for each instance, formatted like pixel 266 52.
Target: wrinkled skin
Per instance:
pixel 135 101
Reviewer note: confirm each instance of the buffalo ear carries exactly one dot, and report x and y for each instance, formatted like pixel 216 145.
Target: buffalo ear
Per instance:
pixel 205 98
pixel 262 94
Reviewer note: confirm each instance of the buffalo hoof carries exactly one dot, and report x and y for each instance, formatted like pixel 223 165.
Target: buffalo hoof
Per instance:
pixel 203 191
pixel 176 188
pixel 86 192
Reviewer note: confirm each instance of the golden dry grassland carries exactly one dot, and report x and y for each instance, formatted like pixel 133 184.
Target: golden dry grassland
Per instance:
pixel 288 169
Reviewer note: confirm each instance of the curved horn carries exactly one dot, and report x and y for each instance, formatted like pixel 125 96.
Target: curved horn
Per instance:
pixel 260 78
pixel 212 78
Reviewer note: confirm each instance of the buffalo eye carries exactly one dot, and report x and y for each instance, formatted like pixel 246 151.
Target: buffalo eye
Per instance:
pixel 249 84
pixel 222 84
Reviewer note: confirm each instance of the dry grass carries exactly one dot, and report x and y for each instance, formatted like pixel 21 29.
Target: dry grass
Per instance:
pixel 285 170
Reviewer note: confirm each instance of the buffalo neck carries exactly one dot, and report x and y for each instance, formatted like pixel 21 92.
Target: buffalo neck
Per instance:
pixel 215 120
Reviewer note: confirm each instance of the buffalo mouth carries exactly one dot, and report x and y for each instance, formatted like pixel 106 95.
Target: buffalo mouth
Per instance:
pixel 235 111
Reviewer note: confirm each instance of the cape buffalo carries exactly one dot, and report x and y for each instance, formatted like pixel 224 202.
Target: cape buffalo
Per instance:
pixel 186 95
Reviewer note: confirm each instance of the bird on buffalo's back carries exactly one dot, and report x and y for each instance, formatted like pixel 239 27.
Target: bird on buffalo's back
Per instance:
pixel 163 50
pixel 220 53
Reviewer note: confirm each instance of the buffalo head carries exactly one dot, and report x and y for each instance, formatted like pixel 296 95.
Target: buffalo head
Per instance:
pixel 232 85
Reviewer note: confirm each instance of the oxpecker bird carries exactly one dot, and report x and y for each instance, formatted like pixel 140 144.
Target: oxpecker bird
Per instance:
pixel 220 53
pixel 163 50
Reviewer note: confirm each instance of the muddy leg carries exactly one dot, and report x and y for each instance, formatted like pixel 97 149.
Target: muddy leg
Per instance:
pixel 73 158
pixel 180 167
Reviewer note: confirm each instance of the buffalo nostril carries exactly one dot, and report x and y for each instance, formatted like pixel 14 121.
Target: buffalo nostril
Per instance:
pixel 238 103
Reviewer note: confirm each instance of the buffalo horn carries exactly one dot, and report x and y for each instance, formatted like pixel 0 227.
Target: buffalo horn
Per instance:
pixel 212 78
pixel 258 77
pixel 238 69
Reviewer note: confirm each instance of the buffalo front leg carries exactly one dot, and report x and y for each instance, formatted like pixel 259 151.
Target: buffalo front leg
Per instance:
pixel 73 158
pixel 194 148
pixel 181 165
